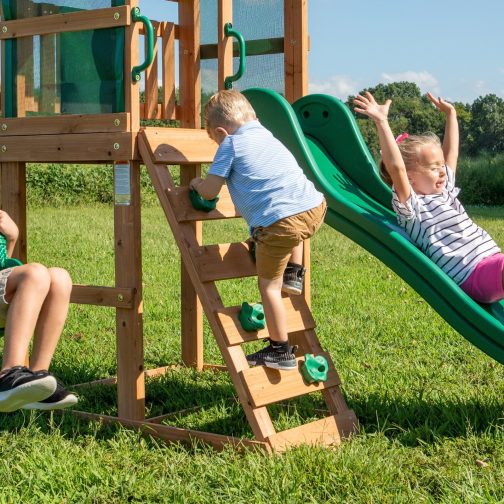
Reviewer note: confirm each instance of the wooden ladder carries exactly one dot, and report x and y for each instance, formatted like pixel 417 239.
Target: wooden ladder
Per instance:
pixel 258 386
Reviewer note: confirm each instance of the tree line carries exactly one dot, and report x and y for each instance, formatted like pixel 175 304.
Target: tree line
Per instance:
pixel 481 123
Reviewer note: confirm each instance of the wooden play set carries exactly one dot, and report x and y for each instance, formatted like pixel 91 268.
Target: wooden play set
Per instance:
pixel 51 113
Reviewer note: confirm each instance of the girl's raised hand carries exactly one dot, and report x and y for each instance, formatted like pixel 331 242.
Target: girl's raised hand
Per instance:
pixel 440 104
pixel 368 106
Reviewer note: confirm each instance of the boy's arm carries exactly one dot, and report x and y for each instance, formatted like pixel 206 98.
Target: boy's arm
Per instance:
pixel 391 155
pixel 208 188
pixel 451 136
pixel 9 229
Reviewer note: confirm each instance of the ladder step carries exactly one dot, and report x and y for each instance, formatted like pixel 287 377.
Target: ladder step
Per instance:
pixel 266 386
pixel 184 211
pixel 320 432
pixel 299 318
pixel 179 145
pixel 224 261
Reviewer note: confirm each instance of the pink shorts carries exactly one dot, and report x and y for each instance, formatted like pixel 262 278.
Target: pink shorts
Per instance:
pixel 484 284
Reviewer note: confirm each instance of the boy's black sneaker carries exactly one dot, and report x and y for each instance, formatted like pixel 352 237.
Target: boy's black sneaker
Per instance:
pixel 274 358
pixel 60 399
pixel 293 278
pixel 21 386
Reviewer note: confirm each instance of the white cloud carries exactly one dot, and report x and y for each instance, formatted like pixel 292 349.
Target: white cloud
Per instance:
pixel 425 80
pixel 480 85
pixel 340 86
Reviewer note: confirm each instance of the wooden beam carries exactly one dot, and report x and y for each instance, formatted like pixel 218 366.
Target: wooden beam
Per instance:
pixel 73 21
pixel 72 123
pixel 176 434
pixel 102 296
pixel 89 147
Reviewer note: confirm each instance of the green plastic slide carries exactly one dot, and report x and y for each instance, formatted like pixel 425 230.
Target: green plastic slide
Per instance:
pixel 324 137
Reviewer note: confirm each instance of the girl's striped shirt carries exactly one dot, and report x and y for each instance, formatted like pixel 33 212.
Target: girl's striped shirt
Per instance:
pixel 439 225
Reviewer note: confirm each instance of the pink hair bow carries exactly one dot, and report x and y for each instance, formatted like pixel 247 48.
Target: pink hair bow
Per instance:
pixel 401 137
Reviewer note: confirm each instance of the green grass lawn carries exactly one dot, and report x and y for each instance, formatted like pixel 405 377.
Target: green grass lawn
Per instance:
pixel 431 406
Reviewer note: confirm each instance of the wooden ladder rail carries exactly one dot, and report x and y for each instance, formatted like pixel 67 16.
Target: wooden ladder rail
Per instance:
pixel 251 383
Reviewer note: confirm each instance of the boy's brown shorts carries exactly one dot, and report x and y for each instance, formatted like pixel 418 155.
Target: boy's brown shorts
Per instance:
pixel 274 243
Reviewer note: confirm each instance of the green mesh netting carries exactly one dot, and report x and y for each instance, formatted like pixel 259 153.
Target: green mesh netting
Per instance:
pixel 256 20
pixel 64 73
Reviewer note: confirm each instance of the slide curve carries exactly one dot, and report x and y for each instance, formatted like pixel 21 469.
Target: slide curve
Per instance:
pixel 323 135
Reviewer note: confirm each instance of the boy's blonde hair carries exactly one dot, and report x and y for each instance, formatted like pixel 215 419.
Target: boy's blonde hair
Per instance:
pixel 228 109
pixel 410 149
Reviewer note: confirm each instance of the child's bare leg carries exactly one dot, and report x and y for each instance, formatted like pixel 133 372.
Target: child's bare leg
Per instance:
pixel 297 254
pixel 26 290
pixel 274 309
pixel 51 319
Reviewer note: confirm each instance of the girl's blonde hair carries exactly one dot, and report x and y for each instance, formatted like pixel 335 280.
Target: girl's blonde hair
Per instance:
pixel 410 148
pixel 228 109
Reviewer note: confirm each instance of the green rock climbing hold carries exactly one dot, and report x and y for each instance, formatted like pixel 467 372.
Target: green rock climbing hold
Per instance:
pixel 314 368
pixel 200 203
pixel 252 316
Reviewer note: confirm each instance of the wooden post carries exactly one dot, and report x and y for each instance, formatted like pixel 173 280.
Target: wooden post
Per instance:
pixel 129 328
pixel 132 89
pixel 13 201
pixel 151 77
pixel 224 44
pixel 128 257
pixel 190 109
pixel 296 42
pixel 168 66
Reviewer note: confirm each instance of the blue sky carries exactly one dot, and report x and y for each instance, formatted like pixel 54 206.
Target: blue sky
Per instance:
pixel 453 48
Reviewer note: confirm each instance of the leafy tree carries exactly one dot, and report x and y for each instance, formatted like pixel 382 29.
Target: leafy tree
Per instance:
pixel 487 124
pixel 410 112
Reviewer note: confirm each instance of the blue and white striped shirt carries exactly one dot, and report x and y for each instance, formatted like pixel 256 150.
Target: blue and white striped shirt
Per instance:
pixel 265 182
pixel 439 225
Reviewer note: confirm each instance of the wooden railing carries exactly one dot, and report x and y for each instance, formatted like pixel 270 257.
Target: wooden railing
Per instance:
pixel 164 51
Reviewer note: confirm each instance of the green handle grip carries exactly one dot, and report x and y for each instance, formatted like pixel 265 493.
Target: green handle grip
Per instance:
pixel 229 32
pixel 149 41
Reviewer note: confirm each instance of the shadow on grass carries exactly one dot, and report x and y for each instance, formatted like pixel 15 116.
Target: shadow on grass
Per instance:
pixel 207 402
pixel 413 421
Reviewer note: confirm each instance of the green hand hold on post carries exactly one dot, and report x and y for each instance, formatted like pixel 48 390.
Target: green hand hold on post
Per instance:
pixel 200 203
pixel 314 368
pixel 252 316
